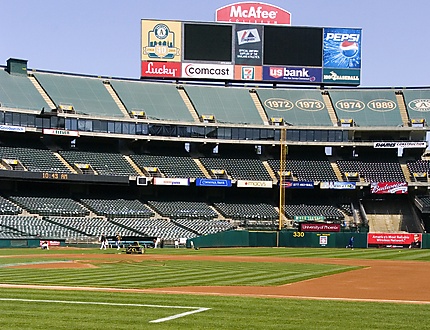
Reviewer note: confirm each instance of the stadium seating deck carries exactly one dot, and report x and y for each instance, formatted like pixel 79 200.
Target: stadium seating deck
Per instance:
pixel 306 169
pixel 329 212
pixel 170 166
pixel 47 206
pixel 154 227
pixel 32 226
pixel 158 101
pixel 17 91
pixel 373 171
pixel 183 209
pixel 86 95
pixel 244 211
pixel 417 104
pixel 227 104
pixel 118 208
pixel 298 107
pixel 367 107
pixel 103 163
pixel 238 168
pixel 36 160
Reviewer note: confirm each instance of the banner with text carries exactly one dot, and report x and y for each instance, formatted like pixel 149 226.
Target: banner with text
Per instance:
pixel 394 240
pixel 254 184
pixel 389 187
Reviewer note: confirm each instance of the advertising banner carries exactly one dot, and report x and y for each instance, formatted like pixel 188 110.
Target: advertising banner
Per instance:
pixel 50 131
pixel 395 145
pixel 342 48
pixel 292 74
pixel 8 128
pixel 253 12
pixel 161 69
pixel 389 187
pixel 338 185
pixel 161 40
pixel 207 71
pixel 254 184
pixel 308 218
pixel 298 184
pixel 320 227
pixel 213 182
pixel 393 240
pixel 170 182
pixel 341 76
pixel 248 40
pixel 246 72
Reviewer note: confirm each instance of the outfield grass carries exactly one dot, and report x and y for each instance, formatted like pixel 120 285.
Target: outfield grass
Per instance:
pixel 42 309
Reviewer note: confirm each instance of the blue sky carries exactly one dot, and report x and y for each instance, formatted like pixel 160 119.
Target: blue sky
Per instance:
pixel 102 37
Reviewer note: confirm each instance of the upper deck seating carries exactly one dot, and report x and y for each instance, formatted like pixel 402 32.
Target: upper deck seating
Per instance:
pixel 17 91
pixel 417 104
pixel 367 107
pixel 227 104
pixel 297 107
pixel 87 95
pixel 157 100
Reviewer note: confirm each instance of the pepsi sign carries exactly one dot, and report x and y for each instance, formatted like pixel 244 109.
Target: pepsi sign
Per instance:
pixel 342 48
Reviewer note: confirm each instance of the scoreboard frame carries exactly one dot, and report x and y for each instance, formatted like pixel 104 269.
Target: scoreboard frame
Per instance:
pixel 242 52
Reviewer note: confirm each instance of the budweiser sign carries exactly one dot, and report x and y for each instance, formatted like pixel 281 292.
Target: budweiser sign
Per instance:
pixel 389 187
pixel 253 12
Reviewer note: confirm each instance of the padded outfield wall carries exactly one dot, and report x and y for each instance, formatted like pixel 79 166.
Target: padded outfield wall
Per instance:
pixel 292 239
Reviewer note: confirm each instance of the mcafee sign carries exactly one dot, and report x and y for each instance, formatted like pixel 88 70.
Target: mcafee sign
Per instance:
pixel 253 12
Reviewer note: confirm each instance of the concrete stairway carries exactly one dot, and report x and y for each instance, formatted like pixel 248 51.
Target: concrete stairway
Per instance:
pixel 42 92
pixel 402 107
pixel 189 104
pixel 117 100
pixel 330 109
pixel 260 109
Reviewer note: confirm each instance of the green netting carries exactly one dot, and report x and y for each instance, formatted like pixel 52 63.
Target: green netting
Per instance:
pixel 87 95
pixel 228 105
pixel 158 101
pixel 296 107
pixel 17 91
pixel 418 104
pixel 367 107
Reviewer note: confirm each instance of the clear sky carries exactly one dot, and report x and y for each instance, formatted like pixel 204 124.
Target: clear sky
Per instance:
pixel 102 37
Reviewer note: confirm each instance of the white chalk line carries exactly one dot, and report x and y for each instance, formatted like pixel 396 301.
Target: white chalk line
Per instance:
pixel 194 310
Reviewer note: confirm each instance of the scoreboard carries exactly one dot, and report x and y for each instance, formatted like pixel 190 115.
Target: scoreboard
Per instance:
pixel 250 52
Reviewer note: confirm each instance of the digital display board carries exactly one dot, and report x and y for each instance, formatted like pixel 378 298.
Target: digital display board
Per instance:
pixel 292 46
pixel 250 52
pixel 208 42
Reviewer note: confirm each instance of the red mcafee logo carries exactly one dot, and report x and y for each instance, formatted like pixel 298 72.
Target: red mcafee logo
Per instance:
pixel 161 69
pixel 253 12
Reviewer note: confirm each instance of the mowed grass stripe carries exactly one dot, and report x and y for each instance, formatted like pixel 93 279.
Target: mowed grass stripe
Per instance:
pixel 226 312
pixel 174 273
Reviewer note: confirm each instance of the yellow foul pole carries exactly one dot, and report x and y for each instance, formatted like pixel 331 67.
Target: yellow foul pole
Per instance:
pixel 282 163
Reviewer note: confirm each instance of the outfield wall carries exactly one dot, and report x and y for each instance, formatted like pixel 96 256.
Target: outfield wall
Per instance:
pixel 292 239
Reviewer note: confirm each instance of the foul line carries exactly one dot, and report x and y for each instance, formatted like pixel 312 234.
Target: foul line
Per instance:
pixel 164 319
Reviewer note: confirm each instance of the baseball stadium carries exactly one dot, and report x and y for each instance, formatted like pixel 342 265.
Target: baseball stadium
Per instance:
pixel 235 185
